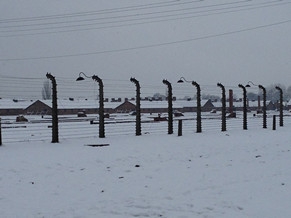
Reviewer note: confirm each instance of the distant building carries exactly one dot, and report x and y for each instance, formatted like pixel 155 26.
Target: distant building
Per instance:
pixel 73 106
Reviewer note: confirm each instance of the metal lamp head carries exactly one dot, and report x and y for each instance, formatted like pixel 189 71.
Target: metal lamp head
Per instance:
pixel 80 78
pixel 250 82
pixel 180 81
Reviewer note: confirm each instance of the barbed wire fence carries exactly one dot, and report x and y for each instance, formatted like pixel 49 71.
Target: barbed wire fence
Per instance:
pixel 39 128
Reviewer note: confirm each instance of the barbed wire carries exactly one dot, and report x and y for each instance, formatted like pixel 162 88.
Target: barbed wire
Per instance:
pixel 31 88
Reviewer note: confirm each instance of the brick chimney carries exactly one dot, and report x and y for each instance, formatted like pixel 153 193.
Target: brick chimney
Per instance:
pixel 259 103
pixel 230 101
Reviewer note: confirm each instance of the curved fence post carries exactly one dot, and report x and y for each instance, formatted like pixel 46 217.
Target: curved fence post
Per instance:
pixel 0 132
pixel 281 105
pixel 198 97
pixel 137 107
pixel 170 106
pixel 245 123
pixel 101 107
pixel 55 128
pixel 223 108
pixel 264 107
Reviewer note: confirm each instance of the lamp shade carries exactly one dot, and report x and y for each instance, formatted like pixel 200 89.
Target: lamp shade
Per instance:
pixel 80 78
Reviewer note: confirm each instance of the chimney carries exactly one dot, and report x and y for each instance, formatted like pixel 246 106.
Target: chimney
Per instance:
pixel 259 103
pixel 230 101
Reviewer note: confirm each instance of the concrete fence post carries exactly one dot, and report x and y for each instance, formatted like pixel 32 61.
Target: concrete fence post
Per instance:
pixel 223 108
pixel 0 132
pixel 170 106
pixel 180 126
pixel 55 128
pixel 137 107
pixel 274 122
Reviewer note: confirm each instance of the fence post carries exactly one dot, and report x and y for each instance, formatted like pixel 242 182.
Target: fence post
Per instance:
pixel 101 106
pixel 274 122
pixel 223 108
pixel 245 123
pixel 281 105
pixel 170 106
pixel 198 96
pixel 180 128
pixel 55 128
pixel 264 107
pixel 0 132
pixel 101 102
pixel 137 108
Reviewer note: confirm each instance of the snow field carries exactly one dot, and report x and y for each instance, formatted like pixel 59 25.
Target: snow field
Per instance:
pixel 213 174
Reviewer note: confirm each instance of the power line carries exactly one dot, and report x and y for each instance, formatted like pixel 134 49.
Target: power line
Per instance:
pixel 103 11
pixel 125 15
pixel 150 45
pixel 135 21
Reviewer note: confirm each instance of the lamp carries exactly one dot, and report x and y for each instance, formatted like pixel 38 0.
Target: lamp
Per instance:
pixel 101 102
pixel 198 96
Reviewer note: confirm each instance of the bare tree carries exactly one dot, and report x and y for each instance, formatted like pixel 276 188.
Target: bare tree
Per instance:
pixel 288 93
pixel 273 94
pixel 46 90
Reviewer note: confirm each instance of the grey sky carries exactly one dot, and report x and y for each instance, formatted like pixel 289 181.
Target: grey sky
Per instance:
pixel 208 41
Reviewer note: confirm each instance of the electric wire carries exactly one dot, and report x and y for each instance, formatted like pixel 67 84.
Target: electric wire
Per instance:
pixel 121 16
pixel 154 45
pixel 160 19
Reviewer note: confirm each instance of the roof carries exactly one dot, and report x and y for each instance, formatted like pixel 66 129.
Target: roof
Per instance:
pixel 94 103
pixel 14 104
pixel 239 104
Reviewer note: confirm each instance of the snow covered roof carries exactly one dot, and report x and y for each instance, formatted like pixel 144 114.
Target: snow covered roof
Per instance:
pixel 239 104
pixel 14 104
pixel 82 103
pixel 94 103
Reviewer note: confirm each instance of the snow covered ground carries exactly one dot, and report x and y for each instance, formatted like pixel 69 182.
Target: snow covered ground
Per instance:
pixel 237 173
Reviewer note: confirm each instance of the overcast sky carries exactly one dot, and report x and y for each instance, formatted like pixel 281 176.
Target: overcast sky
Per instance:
pixel 209 41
